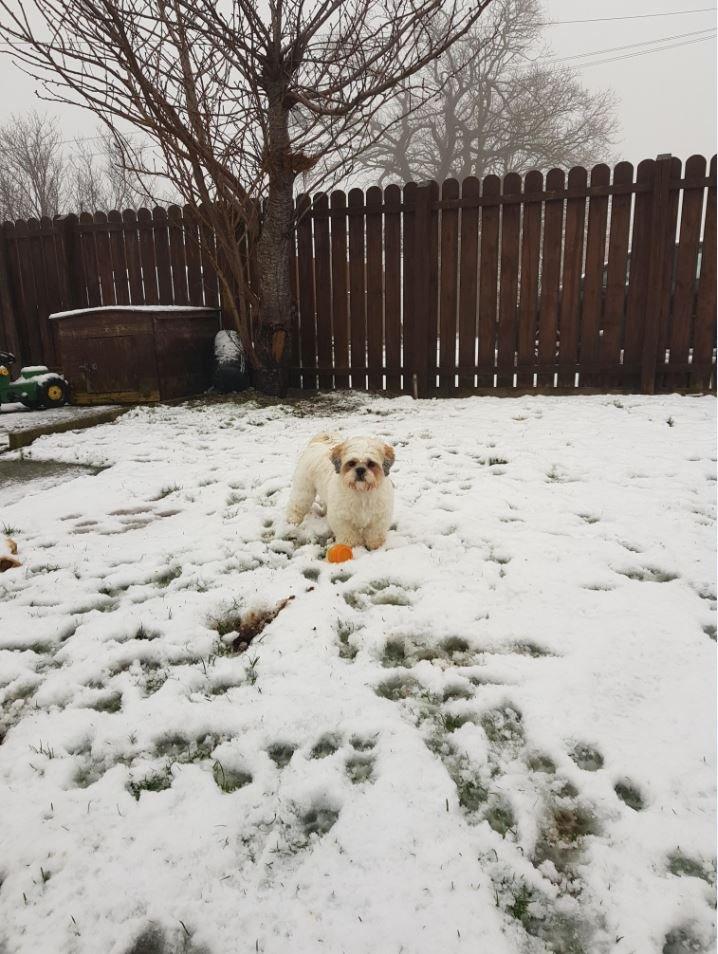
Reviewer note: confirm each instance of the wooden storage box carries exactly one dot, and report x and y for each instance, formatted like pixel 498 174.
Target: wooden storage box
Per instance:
pixel 136 353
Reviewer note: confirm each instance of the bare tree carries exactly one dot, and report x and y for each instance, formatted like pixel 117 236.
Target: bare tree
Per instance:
pixel 98 179
pixel 507 108
pixel 40 177
pixel 237 100
pixel 32 170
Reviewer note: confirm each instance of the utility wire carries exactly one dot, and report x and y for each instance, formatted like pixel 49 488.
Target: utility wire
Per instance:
pixel 630 46
pixel 635 16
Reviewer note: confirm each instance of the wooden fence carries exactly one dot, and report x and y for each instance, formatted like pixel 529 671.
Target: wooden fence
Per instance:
pixel 600 281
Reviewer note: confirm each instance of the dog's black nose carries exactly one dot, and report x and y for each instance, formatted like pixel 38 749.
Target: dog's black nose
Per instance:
pixel 360 471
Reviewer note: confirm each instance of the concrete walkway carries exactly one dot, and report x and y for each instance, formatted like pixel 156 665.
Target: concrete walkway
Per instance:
pixel 20 426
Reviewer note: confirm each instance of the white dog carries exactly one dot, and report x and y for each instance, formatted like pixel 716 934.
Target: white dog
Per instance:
pixel 351 480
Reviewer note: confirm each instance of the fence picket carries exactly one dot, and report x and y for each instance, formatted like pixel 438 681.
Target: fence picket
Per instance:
pixel 147 256
pixel 357 299
pixel 408 318
pixel 162 256
pixel 509 280
pixel 307 316
pixel 593 276
pixel 616 274
pixel 90 265
pixel 529 291
pixel 392 286
pixel 121 289
pixel 132 254
pixel 448 289
pixel 488 282
pixel 704 334
pixel 638 275
pixel 570 303
pixel 323 275
pixel 468 281
pixel 550 278
pixel 340 286
pixel 374 288
pixel 684 290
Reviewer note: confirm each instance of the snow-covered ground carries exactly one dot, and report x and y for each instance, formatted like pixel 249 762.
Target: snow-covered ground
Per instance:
pixel 496 735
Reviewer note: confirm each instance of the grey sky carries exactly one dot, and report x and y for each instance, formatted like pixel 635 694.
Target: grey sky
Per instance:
pixel 666 99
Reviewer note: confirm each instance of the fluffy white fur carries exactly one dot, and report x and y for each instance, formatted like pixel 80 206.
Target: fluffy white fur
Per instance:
pixel 350 479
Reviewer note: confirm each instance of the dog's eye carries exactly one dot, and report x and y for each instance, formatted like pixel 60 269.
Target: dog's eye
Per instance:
pixel 371 463
pixel 351 463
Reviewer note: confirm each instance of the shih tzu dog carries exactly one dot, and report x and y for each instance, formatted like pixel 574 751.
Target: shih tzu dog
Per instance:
pixel 351 480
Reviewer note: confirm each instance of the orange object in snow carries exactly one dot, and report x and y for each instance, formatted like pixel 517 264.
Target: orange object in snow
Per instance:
pixel 339 553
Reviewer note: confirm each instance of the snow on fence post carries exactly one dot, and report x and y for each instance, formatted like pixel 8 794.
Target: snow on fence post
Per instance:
pixel 656 270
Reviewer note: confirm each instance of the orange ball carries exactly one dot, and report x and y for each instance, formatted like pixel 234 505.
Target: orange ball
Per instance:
pixel 339 553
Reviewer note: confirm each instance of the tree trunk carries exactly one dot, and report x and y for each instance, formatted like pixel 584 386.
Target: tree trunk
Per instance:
pixel 273 257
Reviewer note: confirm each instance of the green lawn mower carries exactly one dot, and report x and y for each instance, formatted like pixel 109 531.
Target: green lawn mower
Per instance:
pixel 36 387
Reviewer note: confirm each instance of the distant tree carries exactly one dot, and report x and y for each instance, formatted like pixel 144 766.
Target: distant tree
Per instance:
pixel 32 169
pixel 494 103
pixel 43 175
pixel 237 100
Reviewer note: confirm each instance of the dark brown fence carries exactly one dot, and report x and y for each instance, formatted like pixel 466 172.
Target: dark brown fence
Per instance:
pixel 578 281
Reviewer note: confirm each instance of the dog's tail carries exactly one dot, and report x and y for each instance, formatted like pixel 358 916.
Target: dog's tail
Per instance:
pixel 325 438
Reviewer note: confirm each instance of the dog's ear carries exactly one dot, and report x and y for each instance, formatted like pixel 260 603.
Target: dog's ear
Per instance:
pixel 335 455
pixel 389 458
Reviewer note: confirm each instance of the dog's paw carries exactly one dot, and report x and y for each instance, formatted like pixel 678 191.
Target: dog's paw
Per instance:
pixel 294 516
pixel 375 540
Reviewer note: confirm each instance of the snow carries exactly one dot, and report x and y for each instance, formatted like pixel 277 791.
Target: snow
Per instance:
pixel 436 733
pixel 150 308
pixel 228 347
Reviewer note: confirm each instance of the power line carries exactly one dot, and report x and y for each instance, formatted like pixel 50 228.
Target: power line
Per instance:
pixel 630 56
pixel 635 16
pixel 630 46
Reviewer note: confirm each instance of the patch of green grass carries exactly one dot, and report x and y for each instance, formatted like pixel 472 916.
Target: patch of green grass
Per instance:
pixel 586 757
pixel 527 648
pixel 472 794
pixel 281 753
pixel 451 721
pixel 157 781
pixel 397 688
pixel 503 725
pixel 649 574
pixel 629 795
pixel 346 649
pixel 318 821
pixel 327 745
pixel 229 780
pixel 88 773
pixel 8 531
pixel 541 763
pixel 311 573
pixel 180 748
pixel 710 631
pixel 500 817
pixel 362 744
pixel 394 654
pixel 359 768
pixel 684 867
pixel 109 703
pixel 166 491
pixel 457 691
pixel 683 941
pixel 589 518
pixel 143 633
pixel 521 900
pixel 166 577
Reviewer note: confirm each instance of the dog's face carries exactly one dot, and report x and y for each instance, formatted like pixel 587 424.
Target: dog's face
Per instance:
pixel 362 462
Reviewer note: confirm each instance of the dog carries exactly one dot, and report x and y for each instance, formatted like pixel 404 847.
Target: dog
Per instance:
pixel 351 479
